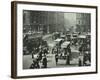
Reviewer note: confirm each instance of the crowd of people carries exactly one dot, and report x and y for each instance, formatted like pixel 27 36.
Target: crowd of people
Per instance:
pixel 62 53
pixel 36 63
pixel 39 50
pixel 39 57
pixel 82 45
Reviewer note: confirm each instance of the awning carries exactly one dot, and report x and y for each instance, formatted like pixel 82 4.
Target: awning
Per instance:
pixel 58 40
pixel 82 36
pixel 65 44
pixel 63 36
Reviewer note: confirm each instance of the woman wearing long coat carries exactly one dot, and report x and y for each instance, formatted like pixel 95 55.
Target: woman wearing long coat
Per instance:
pixel 44 62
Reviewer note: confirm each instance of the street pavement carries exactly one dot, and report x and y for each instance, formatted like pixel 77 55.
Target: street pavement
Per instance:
pixel 27 59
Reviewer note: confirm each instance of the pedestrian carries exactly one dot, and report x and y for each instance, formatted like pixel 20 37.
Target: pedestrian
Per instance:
pixel 53 51
pixel 33 54
pixel 80 49
pixel 45 51
pixel 40 55
pixel 80 62
pixel 86 59
pixel 69 49
pixel 44 62
pixel 32 65
pixel 68 59
pixel 56 58
pixel 37 63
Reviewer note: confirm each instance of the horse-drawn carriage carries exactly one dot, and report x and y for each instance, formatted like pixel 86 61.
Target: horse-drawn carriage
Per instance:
pixel 62 50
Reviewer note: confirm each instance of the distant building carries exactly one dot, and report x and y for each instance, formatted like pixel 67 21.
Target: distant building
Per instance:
pixel 43 21
pixel 83 22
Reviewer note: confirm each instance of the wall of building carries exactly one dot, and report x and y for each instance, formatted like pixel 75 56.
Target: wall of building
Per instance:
pixel 83 22
pixel 45 21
